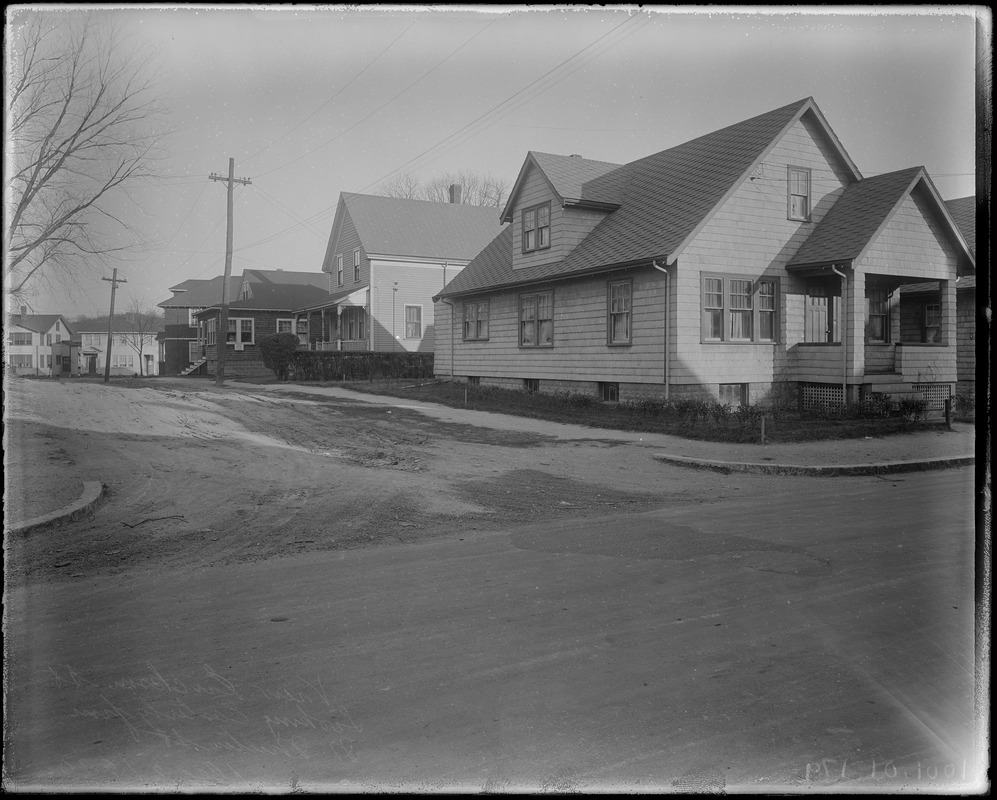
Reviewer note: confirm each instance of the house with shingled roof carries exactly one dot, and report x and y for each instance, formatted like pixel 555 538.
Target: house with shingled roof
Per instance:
pixel 754 264
pixel 40 345
pixel 386 258
pixel 181 343
pixel 267 311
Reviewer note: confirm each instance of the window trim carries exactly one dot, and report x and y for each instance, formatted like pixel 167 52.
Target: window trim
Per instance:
pixel 339 268
pixel 885 314
pixel 610 285
pixel 727 309
pixel 238 342
pixel 536 229
pixel 477 336
pixel 356 265
pixel 537 344
pixel 407 323
pixel 289 320
pixel 790 169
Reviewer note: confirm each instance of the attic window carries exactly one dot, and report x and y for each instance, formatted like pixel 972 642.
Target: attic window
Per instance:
pixel 536 228
pixel 799 194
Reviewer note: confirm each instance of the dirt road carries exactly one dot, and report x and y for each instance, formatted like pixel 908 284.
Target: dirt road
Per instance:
pixel 296 593
pixel 197 476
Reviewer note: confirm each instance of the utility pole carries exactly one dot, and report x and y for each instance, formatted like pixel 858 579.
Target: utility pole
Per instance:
pixel 221 337
pixel 114 280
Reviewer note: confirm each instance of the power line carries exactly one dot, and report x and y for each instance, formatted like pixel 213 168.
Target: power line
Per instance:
pixel 343 89
pixel 479 120
pixel 360 122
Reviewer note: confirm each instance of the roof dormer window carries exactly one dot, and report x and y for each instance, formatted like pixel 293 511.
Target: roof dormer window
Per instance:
pixel 536 228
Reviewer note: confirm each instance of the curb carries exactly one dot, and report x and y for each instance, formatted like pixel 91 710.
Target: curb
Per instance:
pixel 92 493
pixel 822 471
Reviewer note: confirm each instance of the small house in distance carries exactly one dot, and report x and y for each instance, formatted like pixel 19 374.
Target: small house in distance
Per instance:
pixel 386 258
pixel 181 347
pixel 134 345
pixel 40 345
pixel 753 264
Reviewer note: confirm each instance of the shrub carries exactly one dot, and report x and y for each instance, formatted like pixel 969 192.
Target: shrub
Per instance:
pixel 277 353
pixel 912 408
pixel 324 365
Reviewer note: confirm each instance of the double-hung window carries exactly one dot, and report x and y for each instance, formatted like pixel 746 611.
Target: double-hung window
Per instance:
pixel 20 338
pixel 536 228
pixel 799 193
pixel 476 320
pixel 356 266
pixel 738 309
pixel 413 322
pixel 339 270
pixel 240 331
pixel 933 322
pixel 536 320
pixel 619 329
pixel 877 315
pixel 285 326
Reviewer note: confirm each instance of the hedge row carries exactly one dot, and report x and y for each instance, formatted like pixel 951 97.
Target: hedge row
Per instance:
pixel 333 365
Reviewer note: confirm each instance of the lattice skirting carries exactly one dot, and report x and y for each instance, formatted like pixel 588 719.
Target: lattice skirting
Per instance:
pixel 816 394
pixel 934 393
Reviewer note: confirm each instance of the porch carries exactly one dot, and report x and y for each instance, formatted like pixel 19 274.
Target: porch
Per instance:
pixel 340 324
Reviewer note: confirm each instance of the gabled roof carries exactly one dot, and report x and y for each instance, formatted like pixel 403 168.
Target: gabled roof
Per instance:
pixel 391 226
pixel 276 297
pixel 665 199
pixel 285 277
pixel 857 217
pixel 201 294
pixel 573 179
pixel 40 323
pixel 963 212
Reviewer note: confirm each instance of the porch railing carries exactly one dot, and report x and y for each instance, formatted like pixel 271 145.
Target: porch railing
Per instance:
pixel 354 345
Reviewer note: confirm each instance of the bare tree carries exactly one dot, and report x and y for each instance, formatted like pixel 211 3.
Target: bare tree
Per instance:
pixel 403 185
pixel 139 326
pixel 81 119
pixel 475 189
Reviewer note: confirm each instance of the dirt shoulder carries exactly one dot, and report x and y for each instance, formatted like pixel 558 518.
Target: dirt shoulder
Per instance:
pixel 214 476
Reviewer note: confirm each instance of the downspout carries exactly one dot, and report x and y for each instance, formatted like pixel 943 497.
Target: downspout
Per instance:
pixel 668 363
pixel 844 333
pixel 452 356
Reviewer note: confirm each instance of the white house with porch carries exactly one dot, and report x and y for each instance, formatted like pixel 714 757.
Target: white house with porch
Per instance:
pixel 386 258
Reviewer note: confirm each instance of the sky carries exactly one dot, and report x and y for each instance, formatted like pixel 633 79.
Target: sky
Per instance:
pixel 314 101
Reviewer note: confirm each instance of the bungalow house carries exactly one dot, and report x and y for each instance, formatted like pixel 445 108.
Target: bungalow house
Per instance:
pixel 386 258
pixel 39 344
pixel 920 302
pixel 180 348
pixel 134 348
pixel 267 311
pixel 749 265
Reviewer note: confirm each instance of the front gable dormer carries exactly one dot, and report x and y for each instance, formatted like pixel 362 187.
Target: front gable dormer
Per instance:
pixel 555 203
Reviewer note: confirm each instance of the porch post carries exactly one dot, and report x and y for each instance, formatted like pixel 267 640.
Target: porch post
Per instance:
pixel 947 311
pixel 855 318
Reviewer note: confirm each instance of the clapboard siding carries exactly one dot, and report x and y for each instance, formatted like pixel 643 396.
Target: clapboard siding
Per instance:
pixel 348 241
pixel 580 351
pixel 416 284
pixel 568 226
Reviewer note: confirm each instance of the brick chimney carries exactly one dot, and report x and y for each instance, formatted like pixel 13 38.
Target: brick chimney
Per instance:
pixel 454 193
pixel 24 311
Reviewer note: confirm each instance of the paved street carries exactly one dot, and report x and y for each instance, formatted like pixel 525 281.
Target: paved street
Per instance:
pixel 806 634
